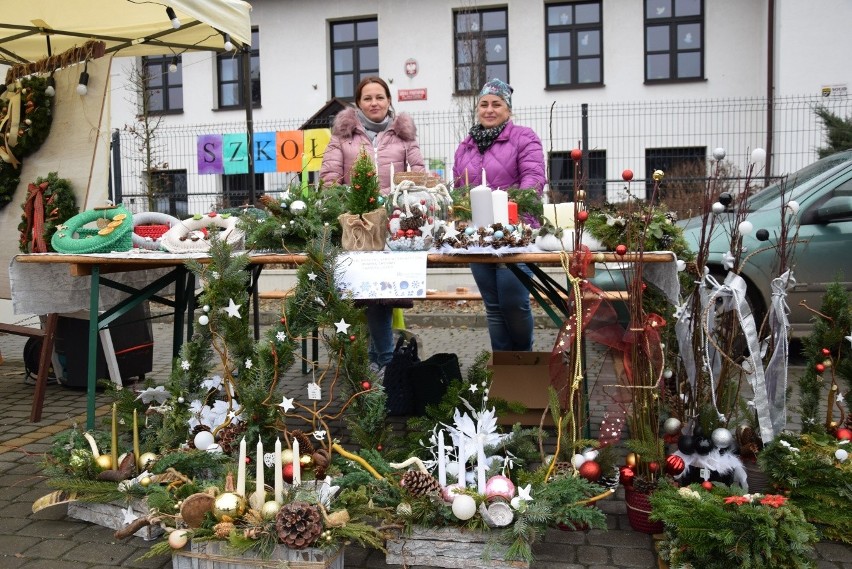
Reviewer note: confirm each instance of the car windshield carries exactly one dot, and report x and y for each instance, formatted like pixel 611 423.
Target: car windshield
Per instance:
pixel 794 184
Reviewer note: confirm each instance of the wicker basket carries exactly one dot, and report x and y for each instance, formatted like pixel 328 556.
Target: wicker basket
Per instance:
pixel 638 512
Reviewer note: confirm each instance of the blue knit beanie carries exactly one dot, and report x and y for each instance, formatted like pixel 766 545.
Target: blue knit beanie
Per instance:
pixel 499 88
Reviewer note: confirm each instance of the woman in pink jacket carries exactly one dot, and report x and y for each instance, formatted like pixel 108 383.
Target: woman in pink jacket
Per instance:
pixel 511 157
pixel 390 139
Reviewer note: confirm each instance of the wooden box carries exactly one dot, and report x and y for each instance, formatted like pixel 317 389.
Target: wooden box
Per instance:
pixel 453 548
pixel 217 555
pixel 111 515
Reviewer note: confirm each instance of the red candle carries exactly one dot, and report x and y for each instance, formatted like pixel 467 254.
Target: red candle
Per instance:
pixel 513 212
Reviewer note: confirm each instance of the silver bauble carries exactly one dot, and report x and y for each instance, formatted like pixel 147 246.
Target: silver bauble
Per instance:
pixel 671 426
pixel 298 207
pixel 719 153
pixel 722 438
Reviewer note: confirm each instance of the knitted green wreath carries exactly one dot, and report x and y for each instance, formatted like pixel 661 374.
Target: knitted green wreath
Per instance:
pixel 26 109
pixel 114 233
pixel 55 197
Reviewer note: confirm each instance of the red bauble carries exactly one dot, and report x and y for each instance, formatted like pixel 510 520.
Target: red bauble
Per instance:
pixel 283 320
pixel 653 467
pixel 287 471
pixel 826 352
pixel 212 214
pixel 379 448
pixel 843 434
pixel 621 250
pixel 626 475
pixel 627 175
pixel 819 368
pixel 674 465
pixel 582 215
pixel 576 155
pixel 707 485
pixel 352 338
pixel 409 232
pixel 365 384
pixel 590 470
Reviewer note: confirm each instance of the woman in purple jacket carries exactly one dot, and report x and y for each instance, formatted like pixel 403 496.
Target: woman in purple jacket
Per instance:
pixel 511 157
pixel 390 139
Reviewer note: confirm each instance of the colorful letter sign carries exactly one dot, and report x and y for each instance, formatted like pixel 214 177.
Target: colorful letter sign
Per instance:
pixel 283 151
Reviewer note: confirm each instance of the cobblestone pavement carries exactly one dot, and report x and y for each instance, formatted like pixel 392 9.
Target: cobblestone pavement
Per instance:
pixel 52 540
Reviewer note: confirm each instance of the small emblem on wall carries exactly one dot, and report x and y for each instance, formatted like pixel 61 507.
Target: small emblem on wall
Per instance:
pixel 411 67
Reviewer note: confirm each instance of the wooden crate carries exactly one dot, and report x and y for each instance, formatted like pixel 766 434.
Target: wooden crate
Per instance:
pixel 453 548
pixel 217 555
pixel 111 515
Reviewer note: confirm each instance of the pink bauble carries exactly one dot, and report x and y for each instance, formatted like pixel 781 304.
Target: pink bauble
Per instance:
pixel 448 492
pixel 499 486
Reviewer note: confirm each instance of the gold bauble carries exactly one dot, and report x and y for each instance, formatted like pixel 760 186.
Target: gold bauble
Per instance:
pixel 270 509
pixel 229 507
pixel 146 459
pixel 286 456
pixel 146 481
pixel 306 461
pixel 580 195
pixel 631 459
pixel 104 462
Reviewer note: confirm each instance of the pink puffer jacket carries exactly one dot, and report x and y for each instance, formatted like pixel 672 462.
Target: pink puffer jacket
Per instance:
pixel 396 145
pixel 515 160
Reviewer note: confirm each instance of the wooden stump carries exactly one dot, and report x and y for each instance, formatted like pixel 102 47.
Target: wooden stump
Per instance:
pixel 452 548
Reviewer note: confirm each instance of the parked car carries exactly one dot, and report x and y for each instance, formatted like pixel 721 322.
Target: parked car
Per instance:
pixel 822 253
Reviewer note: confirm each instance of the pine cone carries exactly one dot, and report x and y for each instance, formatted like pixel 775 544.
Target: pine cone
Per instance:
pixel 305 445
pixel 197 429
pixel 223 529
pixel 229 437
pixel 298 524
pixel 321 461
pixel 419 483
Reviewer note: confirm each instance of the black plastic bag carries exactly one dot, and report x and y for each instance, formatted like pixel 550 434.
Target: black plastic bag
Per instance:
pixel 400 396
pixel 430 379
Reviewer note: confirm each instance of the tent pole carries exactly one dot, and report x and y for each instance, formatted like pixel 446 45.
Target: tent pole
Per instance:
pixel 246 65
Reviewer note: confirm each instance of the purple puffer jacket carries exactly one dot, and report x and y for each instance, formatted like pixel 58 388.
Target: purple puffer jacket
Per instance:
pixel 397 145
pixel 515 160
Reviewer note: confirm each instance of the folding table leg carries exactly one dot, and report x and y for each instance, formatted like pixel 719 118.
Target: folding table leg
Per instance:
pixel 44 366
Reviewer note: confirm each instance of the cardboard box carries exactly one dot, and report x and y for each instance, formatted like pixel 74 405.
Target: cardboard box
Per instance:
pixel 522 377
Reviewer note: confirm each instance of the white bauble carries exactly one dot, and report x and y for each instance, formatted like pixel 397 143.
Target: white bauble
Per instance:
pixel 841 454
pixel 298 207
pixel 577 460
pixel 590 454
pixel 717 207
pixel 464 507
pixel 746 227
pixel 793 206
pixel 286 456
pixel 178 538
pixel 203 440
pixel 758 155
pixel 719 153
pixel 203 320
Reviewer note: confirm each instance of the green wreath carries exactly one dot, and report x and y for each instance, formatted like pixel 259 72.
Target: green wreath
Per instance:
pixel 58 204
pixel 25 119
pixel 114 233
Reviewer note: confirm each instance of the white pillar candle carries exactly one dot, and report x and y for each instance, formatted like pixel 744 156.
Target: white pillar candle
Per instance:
pixel 483 182
pixel 500 206
pixel 391 178
pixel 279 473
pixel 442 466
pixel 462 462
pixel 297 465
pixel 259 496
pixel 481 209
pixel 241 469
pixel 480 465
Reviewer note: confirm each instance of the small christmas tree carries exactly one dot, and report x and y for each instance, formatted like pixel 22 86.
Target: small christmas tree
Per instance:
pixel 363 195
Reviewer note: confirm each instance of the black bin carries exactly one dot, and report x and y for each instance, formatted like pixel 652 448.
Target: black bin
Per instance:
pixel 132 340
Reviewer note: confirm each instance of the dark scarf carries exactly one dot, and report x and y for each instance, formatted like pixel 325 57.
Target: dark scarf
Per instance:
pixel 485 137
pixel 374 128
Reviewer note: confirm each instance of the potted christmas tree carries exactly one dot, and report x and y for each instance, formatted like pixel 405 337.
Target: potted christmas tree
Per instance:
pixel 365 221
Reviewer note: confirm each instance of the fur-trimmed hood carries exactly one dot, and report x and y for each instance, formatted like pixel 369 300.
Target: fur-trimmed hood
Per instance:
pixel 346 124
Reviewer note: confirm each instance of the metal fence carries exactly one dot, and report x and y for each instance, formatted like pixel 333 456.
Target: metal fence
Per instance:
pixel 641 136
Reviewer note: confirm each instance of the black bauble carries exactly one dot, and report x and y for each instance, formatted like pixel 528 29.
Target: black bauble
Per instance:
pixel 703 445
pixel 725 199
pixel 762 235
pixel 686 444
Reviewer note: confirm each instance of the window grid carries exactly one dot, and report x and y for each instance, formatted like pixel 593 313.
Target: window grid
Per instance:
pixel 163 89
pixel 575 28
pixel 354 55
pixel 674 40
pixel 561 173
pixel 229 74
pixel 481 48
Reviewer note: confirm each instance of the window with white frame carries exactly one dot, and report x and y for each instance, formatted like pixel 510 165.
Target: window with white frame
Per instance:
pixel 674 40
pixel 574 44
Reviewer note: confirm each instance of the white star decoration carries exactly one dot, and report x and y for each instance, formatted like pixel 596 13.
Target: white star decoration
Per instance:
pixel 473 387
pixel 286 404
pixel 342 326
pixel 280 336
pixel 129 516
pixel 524 493
pixel 450 232
pixel 312 276
pixel 233 309
pixel 184 365
pixel 249 363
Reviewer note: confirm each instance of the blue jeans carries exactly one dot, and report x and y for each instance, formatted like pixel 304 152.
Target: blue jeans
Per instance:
pixel 379 320
pixel 507 306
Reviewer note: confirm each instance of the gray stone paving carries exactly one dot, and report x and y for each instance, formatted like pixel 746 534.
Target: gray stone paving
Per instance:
pixel 51 540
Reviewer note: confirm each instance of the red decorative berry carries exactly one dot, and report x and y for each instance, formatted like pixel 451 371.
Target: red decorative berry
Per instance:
pixel 843 434
pixel 409 232
pixel 707 485
pixel 372 199
pixel 248 460
pixel 576 155
pixel 819 368
pixel 352 338
pixel 400 233
pixel 582 215
pixel 627 175
pixel 826 352
pixel 422 202
pixel 621 250
pixel 212 214
pixel 379 447
pixel 365 384
pixel 653 467
pixel 283 320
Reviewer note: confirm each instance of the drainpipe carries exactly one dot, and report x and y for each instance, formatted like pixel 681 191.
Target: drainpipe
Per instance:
pixel 770 88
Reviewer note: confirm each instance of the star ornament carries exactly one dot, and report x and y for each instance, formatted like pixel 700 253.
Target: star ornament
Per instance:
pixel 184 365
pixel 473 387
pixel 287 404
pixel 129 516
pixel 233 309
pixel 312 276
pixel 342 326
pixel 280 336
